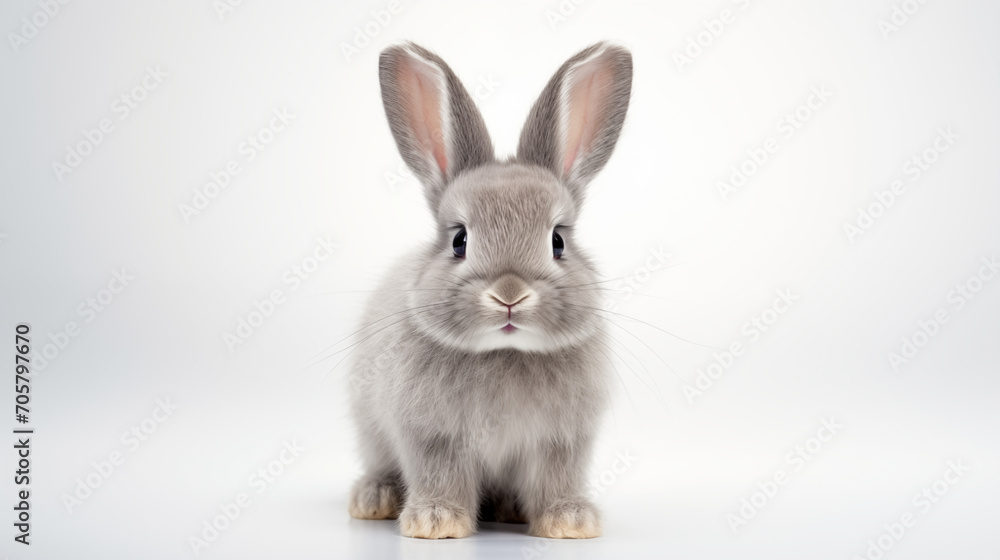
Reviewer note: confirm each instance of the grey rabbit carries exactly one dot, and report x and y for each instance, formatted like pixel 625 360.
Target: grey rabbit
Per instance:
pixel 481 375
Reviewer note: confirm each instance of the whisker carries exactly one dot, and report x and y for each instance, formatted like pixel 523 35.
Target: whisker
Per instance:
pixel 648 347
pixel 655 390
pixel 367 326
pixel 357 344
pixel 624 386
pixel 634 373
pixel 645 323
pixel 370 360
pixel 594 283
pixel 379 291
pixel 461 281
pixel 622 277
pixel 633 292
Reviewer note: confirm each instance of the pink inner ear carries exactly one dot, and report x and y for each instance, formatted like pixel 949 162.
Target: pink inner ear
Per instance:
pixel 421 91
pixel 586 104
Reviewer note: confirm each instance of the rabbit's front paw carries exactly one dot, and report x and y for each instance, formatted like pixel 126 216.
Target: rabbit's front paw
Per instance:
pixel 571 519
pixel 376 498
pixel 434 519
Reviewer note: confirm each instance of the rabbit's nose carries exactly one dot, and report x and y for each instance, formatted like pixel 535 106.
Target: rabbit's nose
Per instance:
pixel 508 305
pixel 509 290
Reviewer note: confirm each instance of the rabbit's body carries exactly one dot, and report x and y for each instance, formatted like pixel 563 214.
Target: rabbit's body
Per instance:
pixel 498 413
pixel 481 373
pixel 495 405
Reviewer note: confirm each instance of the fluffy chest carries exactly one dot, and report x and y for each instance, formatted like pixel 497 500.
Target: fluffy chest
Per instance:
pixel 502 401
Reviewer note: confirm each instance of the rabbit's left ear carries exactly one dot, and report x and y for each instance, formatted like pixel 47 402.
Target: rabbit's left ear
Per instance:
pixel 574 125
pixel 437 127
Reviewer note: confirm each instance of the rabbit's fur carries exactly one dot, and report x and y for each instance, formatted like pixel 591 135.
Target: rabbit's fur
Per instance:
pixel 458 419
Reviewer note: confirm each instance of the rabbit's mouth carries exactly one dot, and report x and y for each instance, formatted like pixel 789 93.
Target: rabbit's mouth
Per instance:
pixel 508 328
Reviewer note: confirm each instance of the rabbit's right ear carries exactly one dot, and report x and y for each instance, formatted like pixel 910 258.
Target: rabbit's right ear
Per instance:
pixel 437 127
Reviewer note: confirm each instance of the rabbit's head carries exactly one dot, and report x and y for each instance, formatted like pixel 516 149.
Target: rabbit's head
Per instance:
pixel 504 270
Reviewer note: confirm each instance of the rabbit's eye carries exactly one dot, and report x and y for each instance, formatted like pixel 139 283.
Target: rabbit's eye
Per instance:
pixel 458 244
pixel 557 245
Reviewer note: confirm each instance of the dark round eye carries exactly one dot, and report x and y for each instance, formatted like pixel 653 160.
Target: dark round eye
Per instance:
pixel 458 244
pixel 557 245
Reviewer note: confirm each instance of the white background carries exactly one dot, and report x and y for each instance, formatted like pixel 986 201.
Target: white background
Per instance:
pixel 332 172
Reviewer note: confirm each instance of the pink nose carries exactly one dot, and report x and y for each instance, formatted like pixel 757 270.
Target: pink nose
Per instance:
pixel 509 306
pixel 509 290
